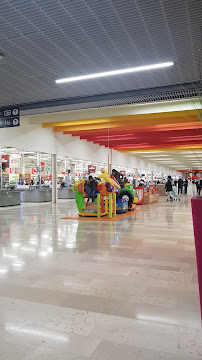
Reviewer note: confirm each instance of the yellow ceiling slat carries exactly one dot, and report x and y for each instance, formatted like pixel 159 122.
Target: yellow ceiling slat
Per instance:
pixel 123 124
pixel 76 122
pixel 130 118
pixel 176 148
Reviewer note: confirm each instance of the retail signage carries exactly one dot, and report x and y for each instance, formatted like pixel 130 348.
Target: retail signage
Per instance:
pixel 5 160
pixel 9 117
pixel 123 172
pixel 15 160
pixel 91 168
pixel 34 171
pixel 42 167
pixel 13 171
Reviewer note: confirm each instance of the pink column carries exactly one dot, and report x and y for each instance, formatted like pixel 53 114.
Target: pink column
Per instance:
pixel 196 203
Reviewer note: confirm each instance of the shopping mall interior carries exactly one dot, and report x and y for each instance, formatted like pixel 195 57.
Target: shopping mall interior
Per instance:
pixel 100 179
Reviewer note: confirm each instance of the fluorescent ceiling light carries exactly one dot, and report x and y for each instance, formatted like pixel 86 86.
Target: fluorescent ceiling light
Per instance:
pixel 159 155
pixel 115 72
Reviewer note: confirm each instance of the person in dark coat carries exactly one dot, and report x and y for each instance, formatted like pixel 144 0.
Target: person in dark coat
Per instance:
pixel 91 191
pixel 169 188
pixel 168 185
pixel 118 176
pixel 180 185
pixel 185 186
pixel 200 187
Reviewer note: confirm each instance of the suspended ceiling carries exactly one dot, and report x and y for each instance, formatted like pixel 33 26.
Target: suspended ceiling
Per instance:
pixel 42 41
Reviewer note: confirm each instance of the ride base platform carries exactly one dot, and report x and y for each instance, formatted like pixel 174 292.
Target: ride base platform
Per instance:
pixel 104 218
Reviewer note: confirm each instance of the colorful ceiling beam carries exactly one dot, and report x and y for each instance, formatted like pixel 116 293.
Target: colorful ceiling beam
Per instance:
pixel 124 122
pixel 156 131
pixel 188 114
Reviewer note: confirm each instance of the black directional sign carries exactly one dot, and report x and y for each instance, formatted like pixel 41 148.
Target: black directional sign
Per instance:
pixel 9 117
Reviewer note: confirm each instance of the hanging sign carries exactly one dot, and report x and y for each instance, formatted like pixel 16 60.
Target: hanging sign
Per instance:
pixel 9 117
pixel 13 171
pixel 91 168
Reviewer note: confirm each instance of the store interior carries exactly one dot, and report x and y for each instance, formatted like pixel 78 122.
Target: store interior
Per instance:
pixel 100 180
pixel 23 169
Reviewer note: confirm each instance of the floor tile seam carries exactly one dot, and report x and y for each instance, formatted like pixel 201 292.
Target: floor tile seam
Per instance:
pixel 49 348
pixel 160 273
pixel 139 322
pixel 146 347
pixel 144 268
pixel 80 357
pixel 118 315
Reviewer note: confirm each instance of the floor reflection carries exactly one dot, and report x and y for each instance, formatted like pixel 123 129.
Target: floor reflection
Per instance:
pixel 81 289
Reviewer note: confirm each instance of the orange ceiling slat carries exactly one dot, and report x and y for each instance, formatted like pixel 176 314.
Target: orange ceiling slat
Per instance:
pixel 154 128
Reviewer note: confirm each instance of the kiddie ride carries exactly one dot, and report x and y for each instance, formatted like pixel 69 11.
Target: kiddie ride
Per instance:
pixel 110 200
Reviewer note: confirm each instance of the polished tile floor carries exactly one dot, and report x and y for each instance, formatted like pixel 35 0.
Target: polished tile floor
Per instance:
pixel 74 290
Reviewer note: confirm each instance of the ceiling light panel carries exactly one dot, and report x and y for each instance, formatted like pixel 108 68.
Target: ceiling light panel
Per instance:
pixel 115 72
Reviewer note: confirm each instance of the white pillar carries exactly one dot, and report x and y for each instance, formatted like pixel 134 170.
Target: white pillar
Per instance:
pixel 136 177
pixel 109 165
pixel 0 171
pixel 39 167
pixel 66 168
pixel 54 179
pixel 152 177
pixel 23 168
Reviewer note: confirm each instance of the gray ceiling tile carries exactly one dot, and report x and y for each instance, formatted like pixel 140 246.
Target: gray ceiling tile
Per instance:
pixel 43 40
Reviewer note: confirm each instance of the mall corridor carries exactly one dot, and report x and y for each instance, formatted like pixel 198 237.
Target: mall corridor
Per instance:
pixel 81 290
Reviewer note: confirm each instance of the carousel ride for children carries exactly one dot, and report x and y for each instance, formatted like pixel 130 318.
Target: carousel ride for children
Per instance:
pixel 110 198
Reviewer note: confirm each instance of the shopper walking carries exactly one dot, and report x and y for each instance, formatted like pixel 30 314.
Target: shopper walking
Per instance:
pixel 180 185
pixel 200 187
pixel 185 186
pixel 169 188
